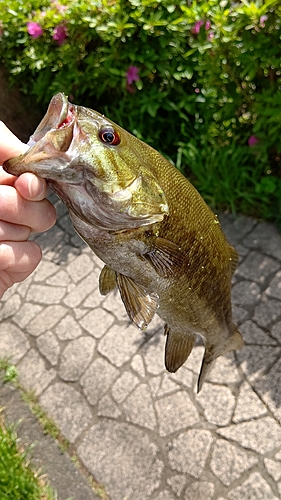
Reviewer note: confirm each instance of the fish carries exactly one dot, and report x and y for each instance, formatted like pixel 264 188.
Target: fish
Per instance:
pixel 162 246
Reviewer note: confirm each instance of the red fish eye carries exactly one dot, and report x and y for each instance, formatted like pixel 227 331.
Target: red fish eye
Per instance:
pixel 109 136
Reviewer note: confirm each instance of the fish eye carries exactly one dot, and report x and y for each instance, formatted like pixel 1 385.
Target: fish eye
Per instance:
pixel 109 136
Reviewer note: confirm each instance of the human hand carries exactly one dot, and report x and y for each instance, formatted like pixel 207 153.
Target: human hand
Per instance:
pixel 23 210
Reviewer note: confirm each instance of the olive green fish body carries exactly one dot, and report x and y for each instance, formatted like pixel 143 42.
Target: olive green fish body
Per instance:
pixel 162 246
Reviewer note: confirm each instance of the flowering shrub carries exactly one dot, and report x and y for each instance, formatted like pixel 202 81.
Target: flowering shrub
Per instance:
pixel 200 81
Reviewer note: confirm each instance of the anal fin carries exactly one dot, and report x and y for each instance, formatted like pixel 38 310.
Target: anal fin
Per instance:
pixel 178 347
pixel 140 305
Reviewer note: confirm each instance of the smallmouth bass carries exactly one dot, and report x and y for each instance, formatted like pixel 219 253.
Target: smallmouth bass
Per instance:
pixel 162 246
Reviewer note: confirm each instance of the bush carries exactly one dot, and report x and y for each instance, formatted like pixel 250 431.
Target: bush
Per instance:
pixel 199 81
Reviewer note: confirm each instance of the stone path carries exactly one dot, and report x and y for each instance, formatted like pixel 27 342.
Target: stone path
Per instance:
pixel 141 432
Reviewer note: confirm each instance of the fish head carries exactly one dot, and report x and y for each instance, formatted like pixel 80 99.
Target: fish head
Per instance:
pixel 96 168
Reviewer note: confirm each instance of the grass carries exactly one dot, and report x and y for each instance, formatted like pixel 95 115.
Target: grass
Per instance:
pixel 18 480
pixel 29 484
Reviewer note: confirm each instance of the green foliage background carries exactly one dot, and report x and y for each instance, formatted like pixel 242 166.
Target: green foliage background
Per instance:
pixel 204 89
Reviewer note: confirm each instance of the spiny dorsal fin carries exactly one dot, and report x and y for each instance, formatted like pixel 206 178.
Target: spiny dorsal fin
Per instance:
pixel 178 347
pixel 167 258
pixel 140 305
pixel 107 280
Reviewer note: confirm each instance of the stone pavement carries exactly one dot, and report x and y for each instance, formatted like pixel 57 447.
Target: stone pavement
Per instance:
pixel 142 433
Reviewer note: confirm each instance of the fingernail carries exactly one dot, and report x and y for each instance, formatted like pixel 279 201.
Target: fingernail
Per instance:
pixel 36 187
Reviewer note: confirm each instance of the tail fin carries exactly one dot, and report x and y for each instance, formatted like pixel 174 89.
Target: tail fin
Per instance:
pixel 211 354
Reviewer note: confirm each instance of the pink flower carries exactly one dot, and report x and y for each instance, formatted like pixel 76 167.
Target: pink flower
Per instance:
pixel 252 141
pixel 262 20
pixel 207 25
pixel 197 26
pixel 34 29
pixel 60 34
pixel 132 75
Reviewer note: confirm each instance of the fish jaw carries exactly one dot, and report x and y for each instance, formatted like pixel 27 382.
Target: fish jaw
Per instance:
pixel 65 149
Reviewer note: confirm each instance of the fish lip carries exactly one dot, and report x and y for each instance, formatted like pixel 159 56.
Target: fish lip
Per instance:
pixel 60 114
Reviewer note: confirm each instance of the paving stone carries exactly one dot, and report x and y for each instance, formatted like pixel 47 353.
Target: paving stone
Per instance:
pixel 49 346
pixel 255 360
pixel 162 385
pixel 266 238
pixel 225 371
pixel 267 313
pixel 33 374
pixel 189 451
pixel 183 377
pixel 236 227
pixel 253 334
pixel 200 490
pixel 97 322
pixel 138 408
pixel 276 331
pixel 154 354
pixel 138 365
pixel 13 343
pixel 194 360
pixel 81 291
pixel 97 379
pixel 239 314
pixel 229 462
pixel 165 495
pixel 254 488
pixel 278 455
pixel 114 304
pixel 76 357
pixel 273 468
pixel 107 408
pixel 274 288
pixel 123 386
pixel 22 287
pixel 61 278
pixel 269 390
pixel 45 294
pixel 262 435
pixel 80 267
pixel 68 328
pixel 218 403
pixel 67 408
pixel 123 458
pixel 26 313
pixel 120 344
pixel 257 267
pixel 177 483
pixel 175 412
pixel 45 270
pixel 245 293
pixel 10 307
pixel 248 405
pixel 51 239
pixel 46 319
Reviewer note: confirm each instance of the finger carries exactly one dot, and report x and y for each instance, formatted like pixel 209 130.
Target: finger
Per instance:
pixel 39 215
pixel 17 262
pixel 31 187
pixel 10 145
pixel 13 232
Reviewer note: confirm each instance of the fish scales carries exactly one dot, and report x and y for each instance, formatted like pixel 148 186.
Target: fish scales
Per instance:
pixel 162 246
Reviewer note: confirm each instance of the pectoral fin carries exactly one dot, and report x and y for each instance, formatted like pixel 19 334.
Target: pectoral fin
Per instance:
pixel 107 280
pixel 167 258
pixel 178 347
pixel 140 305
